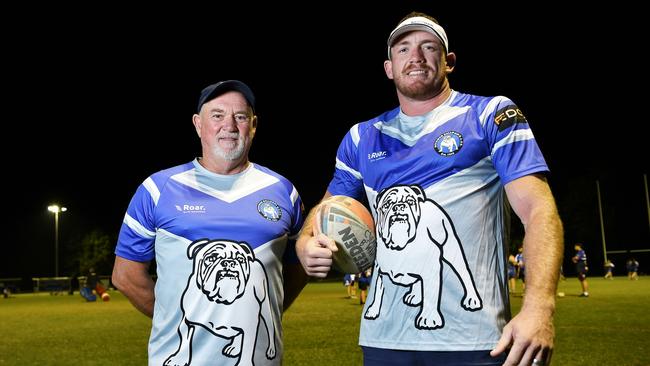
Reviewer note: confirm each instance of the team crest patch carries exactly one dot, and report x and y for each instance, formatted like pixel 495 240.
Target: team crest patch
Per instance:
pixel 448 143
pixel 269 210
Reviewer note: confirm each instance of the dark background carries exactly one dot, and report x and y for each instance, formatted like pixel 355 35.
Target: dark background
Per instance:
pixel 95 103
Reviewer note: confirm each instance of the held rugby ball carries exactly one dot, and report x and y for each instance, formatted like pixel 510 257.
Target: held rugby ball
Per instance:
pixel 348 222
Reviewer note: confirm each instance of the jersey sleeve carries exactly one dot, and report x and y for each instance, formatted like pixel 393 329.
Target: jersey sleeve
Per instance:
pixel 297 214
pixel 138 231
pixel 514 151
pixel 347 179
pixel 297 220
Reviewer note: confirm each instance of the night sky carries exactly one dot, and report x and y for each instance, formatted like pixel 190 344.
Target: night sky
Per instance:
pixel 95 104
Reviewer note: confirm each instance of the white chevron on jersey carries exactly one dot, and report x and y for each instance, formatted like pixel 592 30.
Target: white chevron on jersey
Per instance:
pixel 229 192
pixel 434 120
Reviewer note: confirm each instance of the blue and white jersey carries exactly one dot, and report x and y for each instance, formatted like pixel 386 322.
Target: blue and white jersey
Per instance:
pixel 581 256
pixel 219 242
pixel 519 258
pixel 435 186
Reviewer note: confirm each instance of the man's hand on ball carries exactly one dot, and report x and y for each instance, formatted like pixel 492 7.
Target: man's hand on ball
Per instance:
pixel 315 255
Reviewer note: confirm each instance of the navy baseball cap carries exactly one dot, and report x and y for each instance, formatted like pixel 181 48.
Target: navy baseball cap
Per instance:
pixel 212 91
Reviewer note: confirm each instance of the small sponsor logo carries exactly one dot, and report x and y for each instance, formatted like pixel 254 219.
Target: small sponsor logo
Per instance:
pixel 190 208
pixel 508 116
pixel 449 143
pixel 377 155
pixel 269 210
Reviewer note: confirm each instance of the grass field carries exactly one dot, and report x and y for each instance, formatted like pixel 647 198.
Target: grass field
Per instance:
pixel 611 327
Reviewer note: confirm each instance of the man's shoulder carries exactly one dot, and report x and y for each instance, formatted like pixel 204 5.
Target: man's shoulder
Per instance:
pixel 362 128
pixel 168 172
pixel 160 178
pixel 383 117
pixel 478 101
pixel 281 178
pixel 269 171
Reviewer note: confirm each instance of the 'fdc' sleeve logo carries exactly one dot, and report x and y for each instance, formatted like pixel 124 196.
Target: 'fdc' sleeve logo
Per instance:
pixel 508 116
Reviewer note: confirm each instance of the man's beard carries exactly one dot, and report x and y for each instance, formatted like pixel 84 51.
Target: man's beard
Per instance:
pixel 233 154
pixel 420 90
pixel 417 91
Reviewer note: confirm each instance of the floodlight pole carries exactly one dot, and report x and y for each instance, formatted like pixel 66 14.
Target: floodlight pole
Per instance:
pixel 602 225
pixel 647 200
pixel 56 209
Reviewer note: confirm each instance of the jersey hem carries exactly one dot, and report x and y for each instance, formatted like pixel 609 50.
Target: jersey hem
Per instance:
pixel 430 346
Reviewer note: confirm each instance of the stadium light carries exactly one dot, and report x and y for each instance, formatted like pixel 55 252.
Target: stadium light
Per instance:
pixel 56 209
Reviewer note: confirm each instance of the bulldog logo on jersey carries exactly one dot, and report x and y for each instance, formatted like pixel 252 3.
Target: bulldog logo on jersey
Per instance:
pixel 226 294
pixel 411 226
pixel 448 143
pixel 269 210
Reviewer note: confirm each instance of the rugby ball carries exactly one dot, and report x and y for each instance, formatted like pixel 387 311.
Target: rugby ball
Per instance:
pixel 106 296
pixel 350 224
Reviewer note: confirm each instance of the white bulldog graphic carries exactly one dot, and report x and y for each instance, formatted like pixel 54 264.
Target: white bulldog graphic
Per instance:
pixel 226 294
pixel 449 143
pixel 412 227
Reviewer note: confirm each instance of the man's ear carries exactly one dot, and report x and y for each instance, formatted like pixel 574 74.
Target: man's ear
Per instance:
pixel 388 68
pixel 253 125
pixel 450 62
pixel 196 121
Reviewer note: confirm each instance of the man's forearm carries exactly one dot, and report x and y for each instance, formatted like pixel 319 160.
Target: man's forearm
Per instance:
pixel 141 295
pixel 133 280
pixel 543 251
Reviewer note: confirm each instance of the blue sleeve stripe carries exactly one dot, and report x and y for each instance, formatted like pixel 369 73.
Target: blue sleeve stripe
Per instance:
pixel 153 190
pixel 512 137
pixel 138 228
pixel 340 165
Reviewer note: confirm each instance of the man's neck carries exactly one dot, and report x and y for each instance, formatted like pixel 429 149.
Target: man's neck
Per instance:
pixel 412 107
pixel 224 167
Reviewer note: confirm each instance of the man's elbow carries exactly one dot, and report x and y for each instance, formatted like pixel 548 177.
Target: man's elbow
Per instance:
pixel 117 279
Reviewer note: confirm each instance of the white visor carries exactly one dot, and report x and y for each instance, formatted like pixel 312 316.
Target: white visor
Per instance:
pixel 421 24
